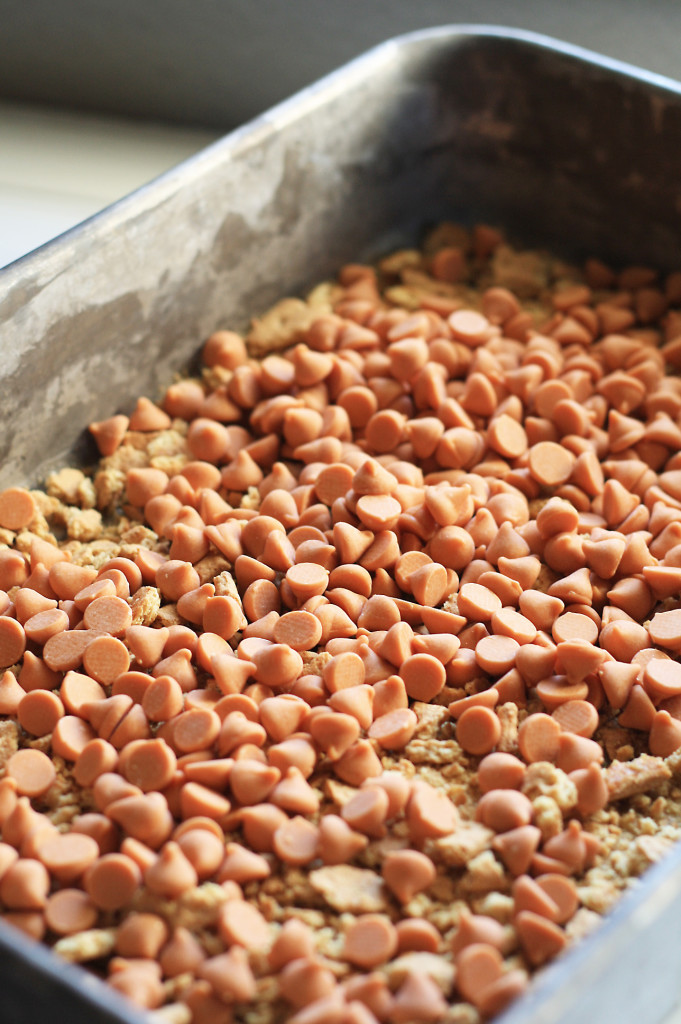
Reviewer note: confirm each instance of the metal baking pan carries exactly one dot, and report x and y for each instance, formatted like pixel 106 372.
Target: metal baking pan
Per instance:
pixel 561 147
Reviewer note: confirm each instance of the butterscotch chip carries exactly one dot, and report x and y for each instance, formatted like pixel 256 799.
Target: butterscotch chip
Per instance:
pixel 230 975
pixel 12 641
pixel 32 771
pixel 171 874
pixel 479 965
pixel 17 508
pixel 337 842
pixel 424 676
pixel 370 941
pixel 67 856
pixel 240 923
pixel 408 872
pixel 430 813
pixel 540 939
pixel 70 912
pixel 503 810
pixel 539 737
pixel 550 463
pixel 25 885
pixel 418 998
pixel 478 730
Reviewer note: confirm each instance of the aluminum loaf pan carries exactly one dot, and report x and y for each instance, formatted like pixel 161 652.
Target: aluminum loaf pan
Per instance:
pixel 560 147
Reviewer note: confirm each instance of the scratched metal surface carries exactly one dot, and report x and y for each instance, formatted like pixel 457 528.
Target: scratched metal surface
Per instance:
pixel 560 147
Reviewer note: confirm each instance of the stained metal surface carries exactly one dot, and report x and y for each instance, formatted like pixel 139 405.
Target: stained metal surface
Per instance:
pixel 560 147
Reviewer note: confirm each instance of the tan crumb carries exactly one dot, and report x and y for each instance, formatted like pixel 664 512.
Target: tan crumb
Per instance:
pixel 210 567
pixel 524 273
pixel 330 943
pixel 546 576
pixel 600 895
pixel 647 850
pixel 290 889
pixel 461 1013
pixel 138 536
pixel 172 1013
pixel 170 464
pixel 658 808
pixel 547 816
pixel 83 524
pixel 72 487
pixel 397 261
pixel 225 585
pixel 347 888
pixel 338 792
pixel 431 751
pixel 624 779
pixel 128 456
pixel 447 777
pixel 213 376
pixel 496 905
pixel 64 795
pixel 543 779
pixel 430 717
pixel 400 764
pixel 175 988
pixel 323 296
pixel 24 539
pixel 89 945
pixel 109 487
pixel 508 716
pixel 445 916
pixel 483 874
pixel 145 604
pixel 280 326
pixel 441 895
pixel 463 845
pixel 49 508
pixel 137 440
pixel 251 498
pixel 316 919
pixel 195 909
pixel 168 616
pixel 674 762
pixel 44 744
pixel 611 738
pixel 9 740
pixel 422 284
pixel 94 553
pixel 376 852
pixel 210 942
pixel 41 527
pixel 64 813
pixel 267 1009
pixel 179 425
pixel 409 298
pixel 314 661
pixel 582 924
pixel 641 824
pixel 167 443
